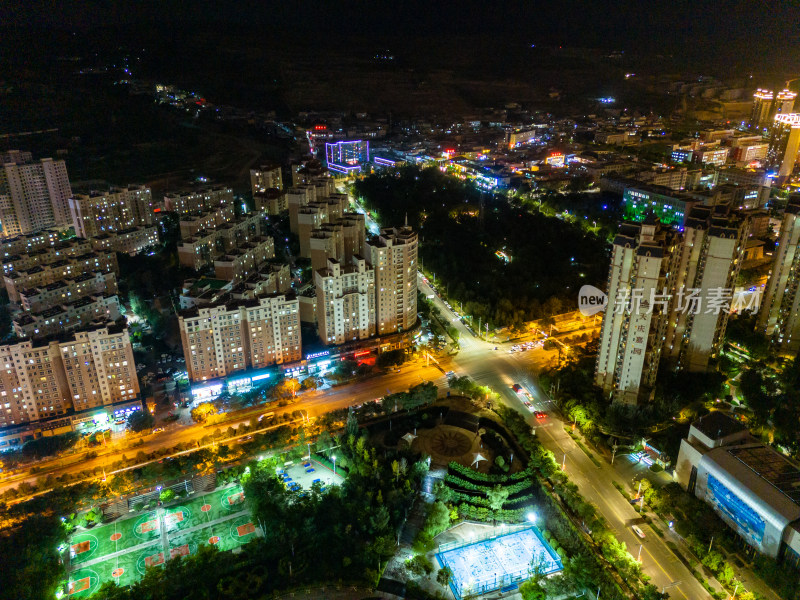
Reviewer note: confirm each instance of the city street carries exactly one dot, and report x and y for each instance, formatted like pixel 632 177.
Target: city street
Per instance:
pixel 312 403
pixel 500 370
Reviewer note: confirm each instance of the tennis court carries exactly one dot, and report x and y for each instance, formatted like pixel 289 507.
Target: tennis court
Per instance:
pixel 134 544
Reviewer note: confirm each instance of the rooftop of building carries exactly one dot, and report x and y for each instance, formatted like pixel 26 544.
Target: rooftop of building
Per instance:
pixel 662 190
pixel 62 337
pixel 770 466
pixel 717 425
pixel 230 303
pixel 198 191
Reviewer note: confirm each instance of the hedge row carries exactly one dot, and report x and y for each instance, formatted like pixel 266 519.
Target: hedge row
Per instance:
pixel 478 477
pixel 513 488
pixel 482 513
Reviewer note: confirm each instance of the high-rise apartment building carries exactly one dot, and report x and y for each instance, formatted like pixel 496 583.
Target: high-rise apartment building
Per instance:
pixel 266 177
pixel 345 301
pixel 393 256
pixel 99 367
pixel 784 102
pixel 33 195
pixel 766 105
pixel 779 317
pixel 236 335
pixel 669 297
pixel 762 105
pixel 642 267
pixel 709 257
pixel 91 368
pixel 118 209
pixel 784 143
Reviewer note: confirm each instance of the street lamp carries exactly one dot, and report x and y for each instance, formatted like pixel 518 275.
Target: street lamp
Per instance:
pixel 531 516
pixel 333 458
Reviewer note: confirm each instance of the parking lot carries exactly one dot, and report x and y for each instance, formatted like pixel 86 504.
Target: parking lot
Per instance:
pixel 305 474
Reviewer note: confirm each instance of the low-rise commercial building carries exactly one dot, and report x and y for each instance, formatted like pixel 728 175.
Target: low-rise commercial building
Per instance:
pixel 670 207
pixel 753 488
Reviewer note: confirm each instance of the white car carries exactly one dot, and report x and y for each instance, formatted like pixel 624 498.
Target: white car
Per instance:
pixel 638 531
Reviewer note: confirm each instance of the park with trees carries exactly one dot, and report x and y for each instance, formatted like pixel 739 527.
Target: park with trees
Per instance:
pixel 347 533
pixel 461 228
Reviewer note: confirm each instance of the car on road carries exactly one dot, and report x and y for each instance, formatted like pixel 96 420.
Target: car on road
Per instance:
pixel 540 415
pixel 517 388
pixel 529 406
pixel 638 531
pixel 158 430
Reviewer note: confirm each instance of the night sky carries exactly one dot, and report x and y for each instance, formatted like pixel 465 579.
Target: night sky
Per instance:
pixel 765 32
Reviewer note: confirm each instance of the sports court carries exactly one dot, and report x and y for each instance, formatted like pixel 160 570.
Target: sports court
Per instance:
pixel 123 550
pixel 500 562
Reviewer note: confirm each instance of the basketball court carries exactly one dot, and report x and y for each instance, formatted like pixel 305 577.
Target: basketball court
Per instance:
pixel 122 551
pixel 82 583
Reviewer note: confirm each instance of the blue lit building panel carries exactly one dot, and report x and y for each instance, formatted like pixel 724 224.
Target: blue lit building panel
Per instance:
pixel 748 522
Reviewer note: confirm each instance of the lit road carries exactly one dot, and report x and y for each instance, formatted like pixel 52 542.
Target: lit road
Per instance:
pixel 312 403
pixel 500 370
pixel 483 364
